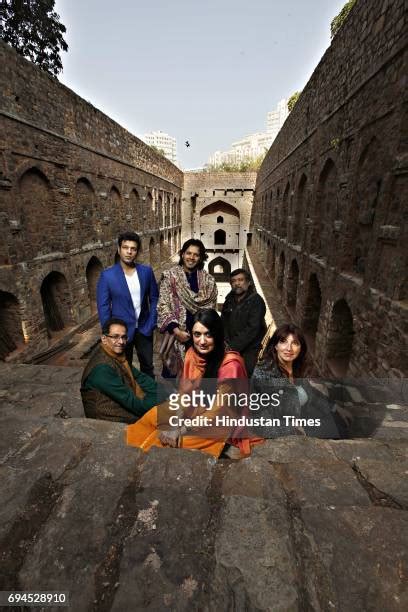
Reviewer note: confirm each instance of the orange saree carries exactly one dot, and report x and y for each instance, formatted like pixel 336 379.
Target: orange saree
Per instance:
pixel 145 433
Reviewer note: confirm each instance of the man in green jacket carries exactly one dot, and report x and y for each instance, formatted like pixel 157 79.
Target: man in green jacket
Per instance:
pixel 111 389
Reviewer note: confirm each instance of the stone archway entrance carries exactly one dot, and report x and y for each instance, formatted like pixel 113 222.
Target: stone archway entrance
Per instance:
pixel 220 268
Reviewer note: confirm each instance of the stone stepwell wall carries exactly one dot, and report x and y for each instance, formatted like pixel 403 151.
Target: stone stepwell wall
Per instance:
pixel 71 179
pixel 329 217
pixel 302 524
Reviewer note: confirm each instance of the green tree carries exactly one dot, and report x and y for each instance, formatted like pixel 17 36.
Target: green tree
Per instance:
pixel 293 99
pixel 33 28
pixel 248 164
pixel 158 150
pixel 338 21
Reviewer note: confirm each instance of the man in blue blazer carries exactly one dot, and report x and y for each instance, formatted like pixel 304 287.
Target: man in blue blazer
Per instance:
pixel 128 290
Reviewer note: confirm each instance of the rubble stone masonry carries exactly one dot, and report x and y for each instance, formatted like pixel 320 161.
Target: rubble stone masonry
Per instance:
pixel 330 211
pixel 70 180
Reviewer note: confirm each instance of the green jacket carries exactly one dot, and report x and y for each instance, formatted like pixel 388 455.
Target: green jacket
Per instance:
pixel 107 392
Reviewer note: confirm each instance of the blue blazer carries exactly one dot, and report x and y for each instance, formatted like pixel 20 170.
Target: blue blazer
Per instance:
pixel 113 299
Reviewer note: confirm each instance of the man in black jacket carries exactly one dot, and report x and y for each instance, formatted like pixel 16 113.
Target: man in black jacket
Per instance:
pixel 243 316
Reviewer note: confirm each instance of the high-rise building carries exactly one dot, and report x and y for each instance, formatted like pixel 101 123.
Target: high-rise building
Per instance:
pixel 253 145
pixel 163 142
pixel 276 118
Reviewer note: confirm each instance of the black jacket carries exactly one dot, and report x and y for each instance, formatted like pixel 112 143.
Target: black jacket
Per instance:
pixel 244 322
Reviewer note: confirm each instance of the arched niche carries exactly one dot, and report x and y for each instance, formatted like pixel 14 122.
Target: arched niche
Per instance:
pixel 292 285
pixel 299 212
pixel 93 270
pixel 220 237
pixel 56 301
pixel 284 211
pixel 11 331
pixel 340 336
pixel 37 210
pixel 134 216
pixel 325 208
pixel 89 223
pixel 312 308
pixel 281 272
pixel 115 213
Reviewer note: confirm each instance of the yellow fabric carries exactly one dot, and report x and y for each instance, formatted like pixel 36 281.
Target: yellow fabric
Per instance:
pixel 137 389
pixel 145 432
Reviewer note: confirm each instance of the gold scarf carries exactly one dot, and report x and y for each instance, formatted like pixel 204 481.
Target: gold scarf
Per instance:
pixel 124 365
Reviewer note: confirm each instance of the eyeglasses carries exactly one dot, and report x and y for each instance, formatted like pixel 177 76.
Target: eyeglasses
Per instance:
pixel 117 337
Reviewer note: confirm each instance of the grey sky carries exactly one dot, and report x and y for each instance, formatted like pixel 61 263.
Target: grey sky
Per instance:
pixel 207 71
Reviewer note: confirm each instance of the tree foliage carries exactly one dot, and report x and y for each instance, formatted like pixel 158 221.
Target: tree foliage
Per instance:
pixel 33 28
pixel 158 150
pixel 248 164
pixel 293 99
pixel 338 21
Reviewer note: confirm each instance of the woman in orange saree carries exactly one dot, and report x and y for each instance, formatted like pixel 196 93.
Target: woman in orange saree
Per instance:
pixel 206 361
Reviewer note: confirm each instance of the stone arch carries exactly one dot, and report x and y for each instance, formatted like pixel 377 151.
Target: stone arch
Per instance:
pixel 115 212
pixel 162 253
pixel 134 216
pixel 220 207
pixel 340 336
pixel 168 212
pixel 284 212
pixel 150 211
pixel 89 221
pixel 11 331
pixel 220 269
pixel 93 270
pixel 220 237
pixel 299 212
pixel 325 208
pixel 220 219
pixel 268 254
pixel 292 284
pixel 152 257
pixel 312 308
pixel 56 301
pixel 160 212
pixel 37 212
pixel 273 262
pixel 281 271
pixel 270 211
pixel 365 203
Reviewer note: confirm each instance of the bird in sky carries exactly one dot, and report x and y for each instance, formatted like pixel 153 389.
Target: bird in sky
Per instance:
pixel 187 144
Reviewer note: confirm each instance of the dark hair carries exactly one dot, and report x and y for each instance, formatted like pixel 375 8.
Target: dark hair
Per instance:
pixel 212 321
pixel 196 243
pixel 241 271
pixel 281 333
pixel 129 236
pixel 112 321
